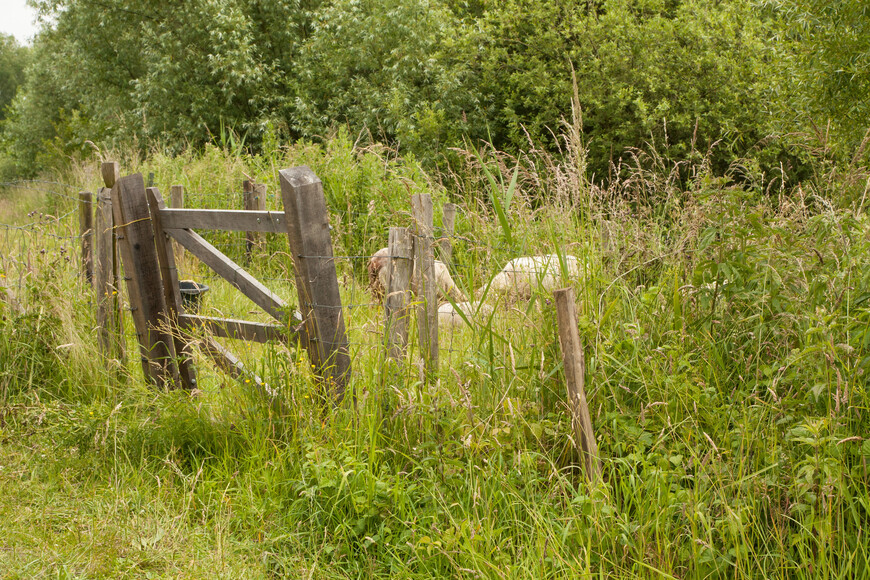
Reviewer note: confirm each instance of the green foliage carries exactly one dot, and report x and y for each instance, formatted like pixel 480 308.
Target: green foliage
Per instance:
pixel 822 52
pixel 680 75
pixel 13 59
pixel 157 73
pixel 393 68
pixel 27 349
pixel 423 76
pixel 726 347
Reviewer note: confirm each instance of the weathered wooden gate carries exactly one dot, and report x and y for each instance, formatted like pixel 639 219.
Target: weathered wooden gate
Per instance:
pixel 144 224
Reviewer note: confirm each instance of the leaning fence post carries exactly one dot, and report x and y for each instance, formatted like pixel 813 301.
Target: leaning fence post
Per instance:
pixel 427 294
pixel 397 301
pixel 448 223
pixel 323 330
pixel 106 285
pixel 575 376
pixel 86 233
pixel 144 286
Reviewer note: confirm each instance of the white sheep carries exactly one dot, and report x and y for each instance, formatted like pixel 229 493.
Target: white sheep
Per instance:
pixel 449 315
pixel 379 277
pixel 521 276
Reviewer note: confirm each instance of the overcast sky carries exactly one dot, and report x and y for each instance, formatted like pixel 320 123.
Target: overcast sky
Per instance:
pixel 16 18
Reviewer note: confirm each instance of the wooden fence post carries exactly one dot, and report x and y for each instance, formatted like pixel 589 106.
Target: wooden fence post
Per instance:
pixel 575 376
pixel 111 173
pixel 86 233
pixel 171 290
pixel 106 284
pixel 255 200
pixel 176 199
pixel 448 223
pixel 424 265
pixel 397 302
pixel 144 285
pixel 323 329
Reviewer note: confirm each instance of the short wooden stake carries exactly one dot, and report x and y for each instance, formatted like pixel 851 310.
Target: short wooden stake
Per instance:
pixel 106 279
pixel 86 233
pixel 575 376
pixel 176 200
pixel 424 265
pixel 255 200
pixel 144 285
pixel 397 301
pixel 323 330
pixel 448 223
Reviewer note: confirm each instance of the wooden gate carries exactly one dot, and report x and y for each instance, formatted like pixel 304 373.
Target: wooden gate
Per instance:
pixel 144 225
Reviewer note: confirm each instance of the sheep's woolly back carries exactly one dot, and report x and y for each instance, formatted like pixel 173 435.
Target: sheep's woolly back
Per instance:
pixel 446 285
pixel 522 275
pixel 449 316
pixel 379 277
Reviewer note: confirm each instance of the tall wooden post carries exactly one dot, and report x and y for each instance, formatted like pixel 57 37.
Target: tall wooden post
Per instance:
pixel 397 302
pixel 86 233
pixel 106 279
pixel 448 222
pixel 144 285
pixel 424 265
pixel 575 376
pixel 323 330
pixel 255 200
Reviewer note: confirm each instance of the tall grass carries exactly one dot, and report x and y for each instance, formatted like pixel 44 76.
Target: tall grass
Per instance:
pixel 726 333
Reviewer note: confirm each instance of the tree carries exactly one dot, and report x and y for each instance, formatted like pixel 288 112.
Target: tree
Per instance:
pixel 392 67
pixel 677 73
pixel 13 59
pixel 822 49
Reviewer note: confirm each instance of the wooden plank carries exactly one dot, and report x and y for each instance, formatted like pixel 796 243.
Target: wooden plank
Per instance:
pixel 230 220
pixel 144 286
pixel 316 281
pixel 223 358
pixel 255 200
pixel 230 364
pixel 448 222
pixel 237 329
pixel 397 302
pixel 106 280
pixel 424 264
pixel 231 272
pixel 86 234
pixel 171 292
pixel 575 376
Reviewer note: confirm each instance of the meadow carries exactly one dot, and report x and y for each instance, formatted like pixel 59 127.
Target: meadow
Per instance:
pixel 725 318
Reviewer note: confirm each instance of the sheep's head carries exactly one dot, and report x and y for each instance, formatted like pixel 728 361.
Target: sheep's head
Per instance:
pixel 377 272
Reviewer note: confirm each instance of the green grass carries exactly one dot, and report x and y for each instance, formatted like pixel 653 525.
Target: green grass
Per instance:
pixel 726 335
